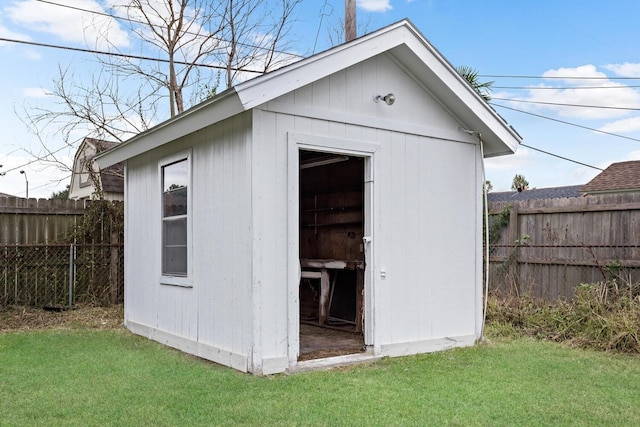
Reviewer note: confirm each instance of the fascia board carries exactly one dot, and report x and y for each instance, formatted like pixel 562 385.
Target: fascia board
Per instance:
pixel 202 115
pixel 438 76
pixel 441 78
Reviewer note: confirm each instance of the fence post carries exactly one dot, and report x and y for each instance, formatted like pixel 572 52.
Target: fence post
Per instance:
pixel 113 270
pixel 514 270
pixel 71 275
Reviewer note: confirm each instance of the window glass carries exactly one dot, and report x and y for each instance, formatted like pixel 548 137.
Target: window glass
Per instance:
pixel 175 178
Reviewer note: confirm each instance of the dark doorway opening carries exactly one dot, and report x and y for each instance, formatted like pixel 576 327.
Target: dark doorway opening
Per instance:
pixel 331 254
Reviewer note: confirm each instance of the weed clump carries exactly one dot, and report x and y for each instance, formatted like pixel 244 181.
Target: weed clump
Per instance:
pixel 603 316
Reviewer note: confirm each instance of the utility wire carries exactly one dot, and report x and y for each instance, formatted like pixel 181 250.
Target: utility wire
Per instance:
pixel 123 55
pixel 562 88
pixel 566 105
pixel 39 159
pixel 134 21
pixel 565 122
pixel 560 157
pixel 492 76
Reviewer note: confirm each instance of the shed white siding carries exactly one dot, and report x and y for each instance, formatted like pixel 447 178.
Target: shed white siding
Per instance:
pixel 422 204
pixel 426 204
pixel 220 244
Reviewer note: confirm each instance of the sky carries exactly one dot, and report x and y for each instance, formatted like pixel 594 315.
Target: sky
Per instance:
pixel 566 76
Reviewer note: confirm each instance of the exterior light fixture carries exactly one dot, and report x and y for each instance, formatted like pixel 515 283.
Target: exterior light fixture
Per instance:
pixel 389 98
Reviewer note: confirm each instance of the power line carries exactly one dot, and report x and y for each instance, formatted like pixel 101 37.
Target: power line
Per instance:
pixel 566 105
pixel 560 157
pixel 494 76
pixel 123 55
pixel 134 21
pixel 562 88
pixel 565 122
pixel 39 159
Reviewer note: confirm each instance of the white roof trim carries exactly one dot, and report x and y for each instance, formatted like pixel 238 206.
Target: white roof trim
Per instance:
pixel 402 40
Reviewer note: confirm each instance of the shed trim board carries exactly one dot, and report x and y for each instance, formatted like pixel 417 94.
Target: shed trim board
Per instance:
pixel 427 346
pixel 209 352
pixel 367 150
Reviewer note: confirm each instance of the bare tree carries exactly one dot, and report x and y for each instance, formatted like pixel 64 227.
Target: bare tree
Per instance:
pixel 194 42
pixel 230 36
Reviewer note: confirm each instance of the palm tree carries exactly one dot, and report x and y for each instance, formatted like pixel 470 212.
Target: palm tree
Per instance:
pixel 471 76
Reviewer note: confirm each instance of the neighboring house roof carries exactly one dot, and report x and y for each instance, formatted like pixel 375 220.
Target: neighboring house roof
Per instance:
pixel 619 177
pixel 111 178
pixel 536 194
pixel 401 41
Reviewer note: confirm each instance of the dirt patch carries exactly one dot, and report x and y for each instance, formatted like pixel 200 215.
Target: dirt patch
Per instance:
pixel 85 317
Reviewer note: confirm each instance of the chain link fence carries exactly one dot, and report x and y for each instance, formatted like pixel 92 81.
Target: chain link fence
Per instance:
pixel 61 275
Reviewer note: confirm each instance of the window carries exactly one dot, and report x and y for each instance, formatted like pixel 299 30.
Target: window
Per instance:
pixel 175 210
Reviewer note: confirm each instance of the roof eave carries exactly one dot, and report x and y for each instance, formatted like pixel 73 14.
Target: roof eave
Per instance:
pixel 402 37
pixel 196 118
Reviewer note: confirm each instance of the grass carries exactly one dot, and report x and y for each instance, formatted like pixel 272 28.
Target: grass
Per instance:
pixel 111 377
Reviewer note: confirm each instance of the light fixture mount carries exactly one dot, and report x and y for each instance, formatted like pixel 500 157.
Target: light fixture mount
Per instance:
pixel 389 98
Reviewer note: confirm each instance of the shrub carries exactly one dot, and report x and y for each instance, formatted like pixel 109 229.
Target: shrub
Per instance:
pixel 604 316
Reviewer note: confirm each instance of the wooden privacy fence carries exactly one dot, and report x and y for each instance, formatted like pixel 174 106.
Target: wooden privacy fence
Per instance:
pixel 545 248
pixel 31 221
pixel 59 253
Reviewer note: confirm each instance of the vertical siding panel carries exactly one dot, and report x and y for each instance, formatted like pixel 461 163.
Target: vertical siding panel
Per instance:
pixel 242 230
pixel 415 284
pixel 397 273
pixel 337 91
pixel 269 218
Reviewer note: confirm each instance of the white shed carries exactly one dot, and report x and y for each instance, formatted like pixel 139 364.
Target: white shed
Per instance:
pixel 343 191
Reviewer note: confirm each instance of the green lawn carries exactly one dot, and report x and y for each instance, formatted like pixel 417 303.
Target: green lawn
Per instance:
pixel 110 377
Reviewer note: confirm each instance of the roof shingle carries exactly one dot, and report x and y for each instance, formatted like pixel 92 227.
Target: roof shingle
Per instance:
pixel 621 176
pixel 535 194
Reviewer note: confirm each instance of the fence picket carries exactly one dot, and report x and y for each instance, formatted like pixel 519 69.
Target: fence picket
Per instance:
pixel 570 241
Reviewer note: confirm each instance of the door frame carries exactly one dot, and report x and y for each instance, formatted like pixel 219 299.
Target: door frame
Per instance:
pixel 295 143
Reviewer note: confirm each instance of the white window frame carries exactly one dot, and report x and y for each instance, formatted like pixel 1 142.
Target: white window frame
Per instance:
pixel 165 279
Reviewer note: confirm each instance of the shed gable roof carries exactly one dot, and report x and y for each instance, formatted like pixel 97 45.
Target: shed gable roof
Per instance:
pixel 402 41
pixel 618 177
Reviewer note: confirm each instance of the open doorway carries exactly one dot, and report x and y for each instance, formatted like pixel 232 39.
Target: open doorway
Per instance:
pixel 332 256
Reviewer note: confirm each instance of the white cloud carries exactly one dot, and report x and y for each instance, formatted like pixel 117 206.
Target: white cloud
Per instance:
pixel 567 90
pixel 374 5
pixel 624 70
pixel 9 34
pixel 519 160
pixel 32 55
pixel 632 124
pixel 35 92
pixel 68 24
pixel 634 155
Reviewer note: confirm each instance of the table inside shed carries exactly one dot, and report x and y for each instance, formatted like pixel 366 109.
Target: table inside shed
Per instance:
pixel 326 272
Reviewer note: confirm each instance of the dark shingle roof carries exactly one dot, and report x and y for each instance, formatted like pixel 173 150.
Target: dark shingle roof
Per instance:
pixel 621 176
pixel 112 179
pixel 535 194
